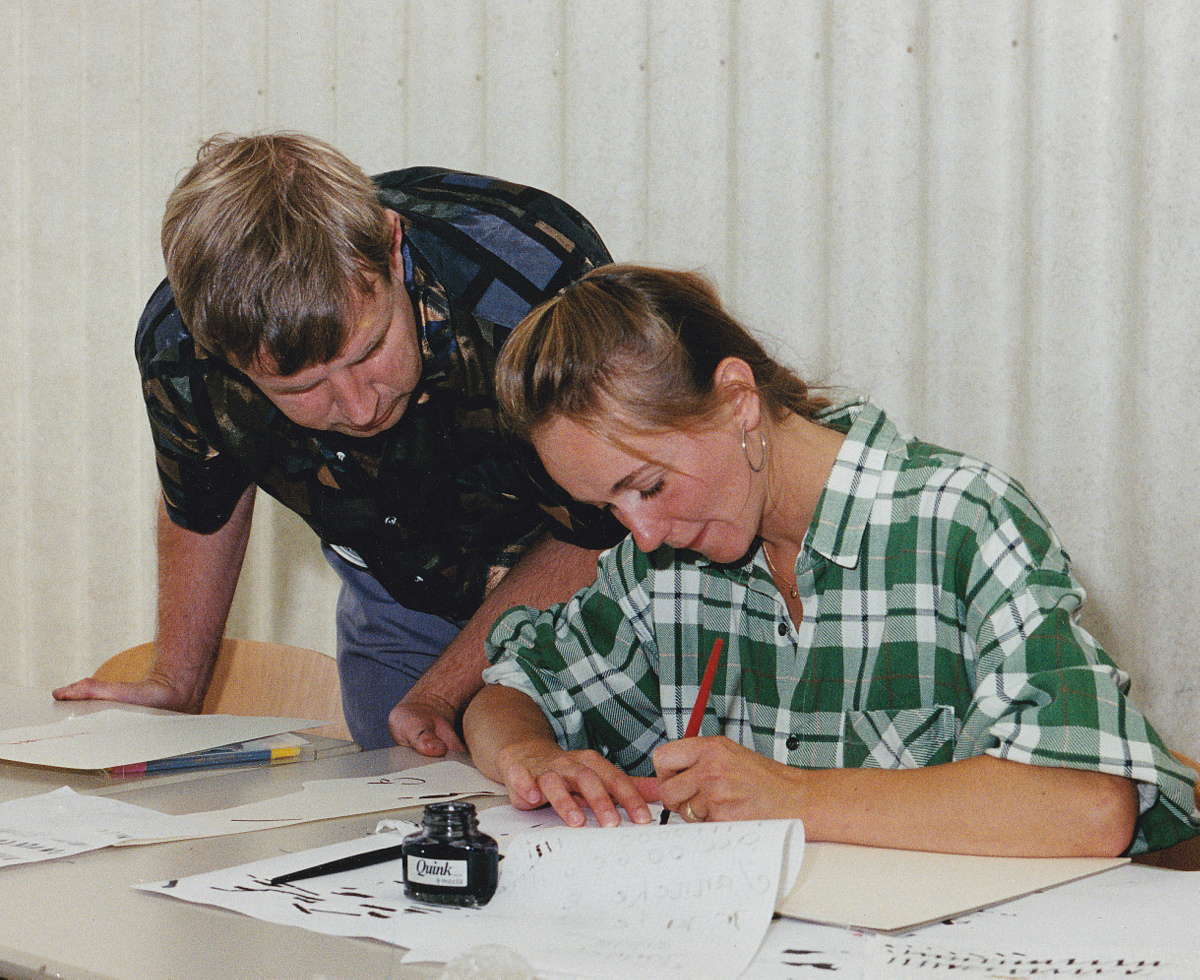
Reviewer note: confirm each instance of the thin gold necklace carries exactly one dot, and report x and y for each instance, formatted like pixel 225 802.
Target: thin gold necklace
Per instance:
pixel 774 574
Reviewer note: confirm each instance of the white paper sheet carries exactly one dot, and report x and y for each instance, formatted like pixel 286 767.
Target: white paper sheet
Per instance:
pixel 1129 908
pixel 115 737
pixel 794 950
pixel 684 900
pixel 50 825
pixel 1131 921
pixel 323 799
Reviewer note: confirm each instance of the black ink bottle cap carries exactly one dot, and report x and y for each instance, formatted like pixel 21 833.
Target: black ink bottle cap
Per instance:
pixel 448 861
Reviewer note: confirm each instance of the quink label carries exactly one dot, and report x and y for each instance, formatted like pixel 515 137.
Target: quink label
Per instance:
pixel 442 873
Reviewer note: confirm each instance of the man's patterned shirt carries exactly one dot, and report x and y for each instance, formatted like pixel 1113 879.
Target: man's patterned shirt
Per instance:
pixel 442 503
pixel 940 622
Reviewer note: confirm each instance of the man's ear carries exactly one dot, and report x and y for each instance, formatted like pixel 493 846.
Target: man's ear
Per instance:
pixel 397 229
pixel 734 378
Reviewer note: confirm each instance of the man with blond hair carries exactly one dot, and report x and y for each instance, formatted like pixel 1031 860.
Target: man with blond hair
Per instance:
pixel 330 338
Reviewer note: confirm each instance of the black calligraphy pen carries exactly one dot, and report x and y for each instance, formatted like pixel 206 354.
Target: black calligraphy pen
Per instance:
pixel 697 715
pixel 349 863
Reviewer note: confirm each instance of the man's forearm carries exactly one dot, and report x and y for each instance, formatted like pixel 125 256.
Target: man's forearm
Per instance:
pixel 550 572
pixel 197 578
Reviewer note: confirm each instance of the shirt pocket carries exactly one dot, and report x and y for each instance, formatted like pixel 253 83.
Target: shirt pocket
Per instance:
pixel 906 739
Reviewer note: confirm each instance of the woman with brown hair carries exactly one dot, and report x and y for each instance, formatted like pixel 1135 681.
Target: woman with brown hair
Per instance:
pixel 903 664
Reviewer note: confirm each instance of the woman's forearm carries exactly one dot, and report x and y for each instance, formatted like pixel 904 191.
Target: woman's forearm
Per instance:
pixel 981 805
pixel 497 718
pixel 512 742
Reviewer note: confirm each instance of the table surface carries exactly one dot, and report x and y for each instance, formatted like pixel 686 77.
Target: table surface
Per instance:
pixel 79 917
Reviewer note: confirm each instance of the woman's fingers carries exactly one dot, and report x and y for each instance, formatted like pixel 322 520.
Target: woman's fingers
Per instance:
pixel 572 782
pixel 587 779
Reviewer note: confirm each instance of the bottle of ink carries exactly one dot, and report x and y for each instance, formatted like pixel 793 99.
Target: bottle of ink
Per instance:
pixel 449 861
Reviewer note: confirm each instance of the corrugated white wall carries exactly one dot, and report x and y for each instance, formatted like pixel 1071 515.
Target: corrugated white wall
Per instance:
pixel 984 214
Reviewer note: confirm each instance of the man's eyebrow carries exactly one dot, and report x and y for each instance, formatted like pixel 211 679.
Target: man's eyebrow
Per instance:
pixel 373 345
pixel 290 386
pixel 284 384
pixel 292 389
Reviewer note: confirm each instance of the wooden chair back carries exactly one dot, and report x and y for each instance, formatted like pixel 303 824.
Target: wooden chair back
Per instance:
pixel 1193 765
pixel 253 677
pixel 1184 856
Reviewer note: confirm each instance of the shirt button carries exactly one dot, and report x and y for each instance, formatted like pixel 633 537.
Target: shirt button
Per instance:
pixel 782 628
pixel 793 742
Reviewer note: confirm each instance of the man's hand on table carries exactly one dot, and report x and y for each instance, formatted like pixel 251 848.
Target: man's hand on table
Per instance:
pixel 425 723
pixel 151 693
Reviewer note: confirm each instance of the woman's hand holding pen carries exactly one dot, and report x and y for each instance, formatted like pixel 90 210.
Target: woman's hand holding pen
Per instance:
pixel 538 772
pixel 714 778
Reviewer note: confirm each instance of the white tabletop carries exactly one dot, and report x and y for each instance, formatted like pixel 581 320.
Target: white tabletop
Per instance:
pixel 78 917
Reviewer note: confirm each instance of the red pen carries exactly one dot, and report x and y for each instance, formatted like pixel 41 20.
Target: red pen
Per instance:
pixel 697 715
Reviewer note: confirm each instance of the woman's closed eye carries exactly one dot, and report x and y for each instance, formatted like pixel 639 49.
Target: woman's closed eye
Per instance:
pixel 653 491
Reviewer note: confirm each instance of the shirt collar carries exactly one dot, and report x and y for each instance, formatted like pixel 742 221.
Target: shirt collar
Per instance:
pixel 845 504
pixel 439 345
pixel 844 507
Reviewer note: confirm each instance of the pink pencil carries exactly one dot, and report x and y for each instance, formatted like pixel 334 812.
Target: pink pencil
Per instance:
pixel 697 715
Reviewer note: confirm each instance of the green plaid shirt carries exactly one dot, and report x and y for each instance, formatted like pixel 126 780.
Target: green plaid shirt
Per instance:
pixel 940 622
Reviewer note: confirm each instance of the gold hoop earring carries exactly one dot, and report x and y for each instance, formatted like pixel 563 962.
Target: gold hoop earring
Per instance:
pixel 763 441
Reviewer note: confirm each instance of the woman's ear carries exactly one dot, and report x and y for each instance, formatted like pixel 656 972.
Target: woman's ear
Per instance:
pixel 734 379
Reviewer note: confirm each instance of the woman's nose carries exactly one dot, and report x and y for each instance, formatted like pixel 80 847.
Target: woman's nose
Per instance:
pixel 648 531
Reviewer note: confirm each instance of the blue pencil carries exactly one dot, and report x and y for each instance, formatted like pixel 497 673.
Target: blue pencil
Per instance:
pixel 230 755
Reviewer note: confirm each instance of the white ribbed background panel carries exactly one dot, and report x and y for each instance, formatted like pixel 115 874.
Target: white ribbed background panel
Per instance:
pixel 984 214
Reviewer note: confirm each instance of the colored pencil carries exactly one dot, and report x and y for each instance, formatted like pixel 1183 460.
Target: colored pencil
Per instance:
pixel 215 757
